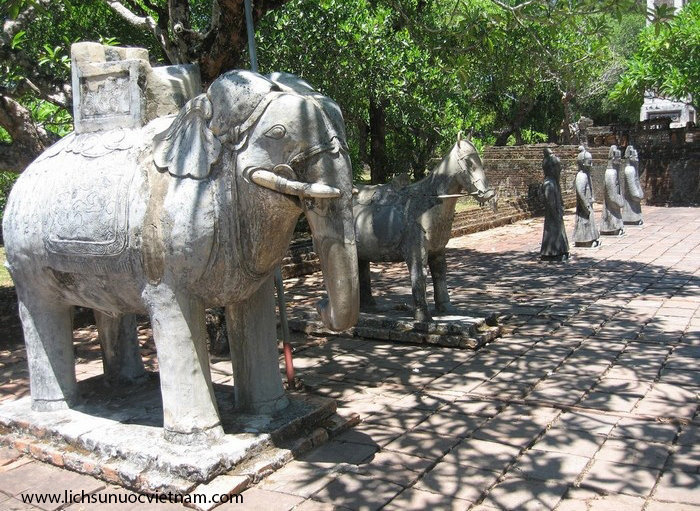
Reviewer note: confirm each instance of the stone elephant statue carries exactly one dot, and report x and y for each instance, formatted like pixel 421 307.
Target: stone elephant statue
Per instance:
pixel 190 211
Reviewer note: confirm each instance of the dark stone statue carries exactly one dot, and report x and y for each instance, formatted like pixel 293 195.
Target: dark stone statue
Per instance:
pixel 611 223
pixel 395 222
pixel 555 245
pixel 632 189
pixel 585 230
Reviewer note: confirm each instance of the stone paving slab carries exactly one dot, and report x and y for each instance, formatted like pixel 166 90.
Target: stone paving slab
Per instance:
pixel 588 400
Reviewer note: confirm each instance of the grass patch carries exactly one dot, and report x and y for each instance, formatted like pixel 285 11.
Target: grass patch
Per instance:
pixel 466 203
pixel 5 280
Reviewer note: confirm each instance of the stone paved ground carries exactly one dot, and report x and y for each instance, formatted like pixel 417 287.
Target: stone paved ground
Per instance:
pixel 588 402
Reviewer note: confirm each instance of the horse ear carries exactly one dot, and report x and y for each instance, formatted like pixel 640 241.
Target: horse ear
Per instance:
pixel 188 148
pixel 459 137
pixel 469 134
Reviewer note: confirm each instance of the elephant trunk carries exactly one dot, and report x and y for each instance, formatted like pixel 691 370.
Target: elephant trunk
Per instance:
pixel 333 233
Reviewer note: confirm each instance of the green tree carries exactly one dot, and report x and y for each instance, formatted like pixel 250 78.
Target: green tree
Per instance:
pixel 399 99
pixel 667 61
pixel 535 64
pixel 595 101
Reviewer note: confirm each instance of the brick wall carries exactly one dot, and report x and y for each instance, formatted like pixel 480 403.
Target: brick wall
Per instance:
pixel 516 172
pixel 669 158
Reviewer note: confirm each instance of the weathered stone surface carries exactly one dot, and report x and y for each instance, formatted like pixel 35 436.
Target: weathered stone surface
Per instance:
pixel 611 221
pixel 585 230
pixel 398 221
pixel 116 87
pixel 128 449
pixel 454 331
pixel 555 244
pixel 631 189
pixel 164 218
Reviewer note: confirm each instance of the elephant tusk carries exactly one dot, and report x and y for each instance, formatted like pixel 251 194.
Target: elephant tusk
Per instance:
pixel 272 181
pixel 451 195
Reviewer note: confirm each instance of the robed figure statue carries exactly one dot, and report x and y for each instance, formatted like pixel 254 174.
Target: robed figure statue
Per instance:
pixel 632 189
pixel 555 245
pixel 611 223
pixel 585 230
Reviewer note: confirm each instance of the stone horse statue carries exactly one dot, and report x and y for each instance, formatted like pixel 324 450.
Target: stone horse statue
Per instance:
pixel 413 223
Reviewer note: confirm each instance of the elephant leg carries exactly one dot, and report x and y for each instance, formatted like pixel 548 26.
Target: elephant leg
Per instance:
pixel 252 337
pixel 438 270
pixel 48 336
pixel 366 299
pixel 121 356
pixel 415 260
pixel 190 413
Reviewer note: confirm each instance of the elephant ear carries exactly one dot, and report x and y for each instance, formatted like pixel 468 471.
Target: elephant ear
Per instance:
pixel 188 148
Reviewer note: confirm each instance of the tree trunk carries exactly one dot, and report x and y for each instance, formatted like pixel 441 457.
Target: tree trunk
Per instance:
pixel 362 138
pixel 525 105
pixel 377 133
pixel 423 154
pixel 566 122
pixel 221 49
pixel 28 138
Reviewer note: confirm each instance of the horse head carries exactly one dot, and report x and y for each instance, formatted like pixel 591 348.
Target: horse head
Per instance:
pixel 471 175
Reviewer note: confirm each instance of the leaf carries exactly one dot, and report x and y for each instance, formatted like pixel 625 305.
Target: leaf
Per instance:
pixel 18 39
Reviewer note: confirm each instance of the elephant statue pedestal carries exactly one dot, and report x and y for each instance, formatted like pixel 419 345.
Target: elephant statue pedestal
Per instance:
pixel 116 434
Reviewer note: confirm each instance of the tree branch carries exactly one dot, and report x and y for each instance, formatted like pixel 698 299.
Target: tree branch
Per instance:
pixel 513 8
pixel 222 46
pixel 148 24
pixel 186 39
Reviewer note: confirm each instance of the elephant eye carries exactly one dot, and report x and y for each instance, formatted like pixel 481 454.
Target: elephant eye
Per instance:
pixel 276 132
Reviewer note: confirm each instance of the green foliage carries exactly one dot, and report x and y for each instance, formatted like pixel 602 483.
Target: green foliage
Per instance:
pixel 56 59
pixel 7 180
pixel 359 53
pixel 11 8
pixel 441 67
pixel 47 39
pixel 667 61
pixel 510 70
pixel 596 102
pixel 53 118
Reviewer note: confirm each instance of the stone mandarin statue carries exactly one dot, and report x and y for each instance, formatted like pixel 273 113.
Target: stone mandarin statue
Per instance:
pixel 585 230
pixel 414 223
pixel 555 245
pixel 184 212
pixel 632 189
pixel 611 223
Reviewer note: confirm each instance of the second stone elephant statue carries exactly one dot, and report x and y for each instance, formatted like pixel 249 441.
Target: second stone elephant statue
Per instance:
pixel 189 211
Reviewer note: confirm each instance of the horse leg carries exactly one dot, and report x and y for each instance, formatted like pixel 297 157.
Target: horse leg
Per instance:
pixel 415 260
pixel 438 270
pixel 366 299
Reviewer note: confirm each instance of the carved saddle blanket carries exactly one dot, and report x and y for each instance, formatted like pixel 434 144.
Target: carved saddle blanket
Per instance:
pixel 90 178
